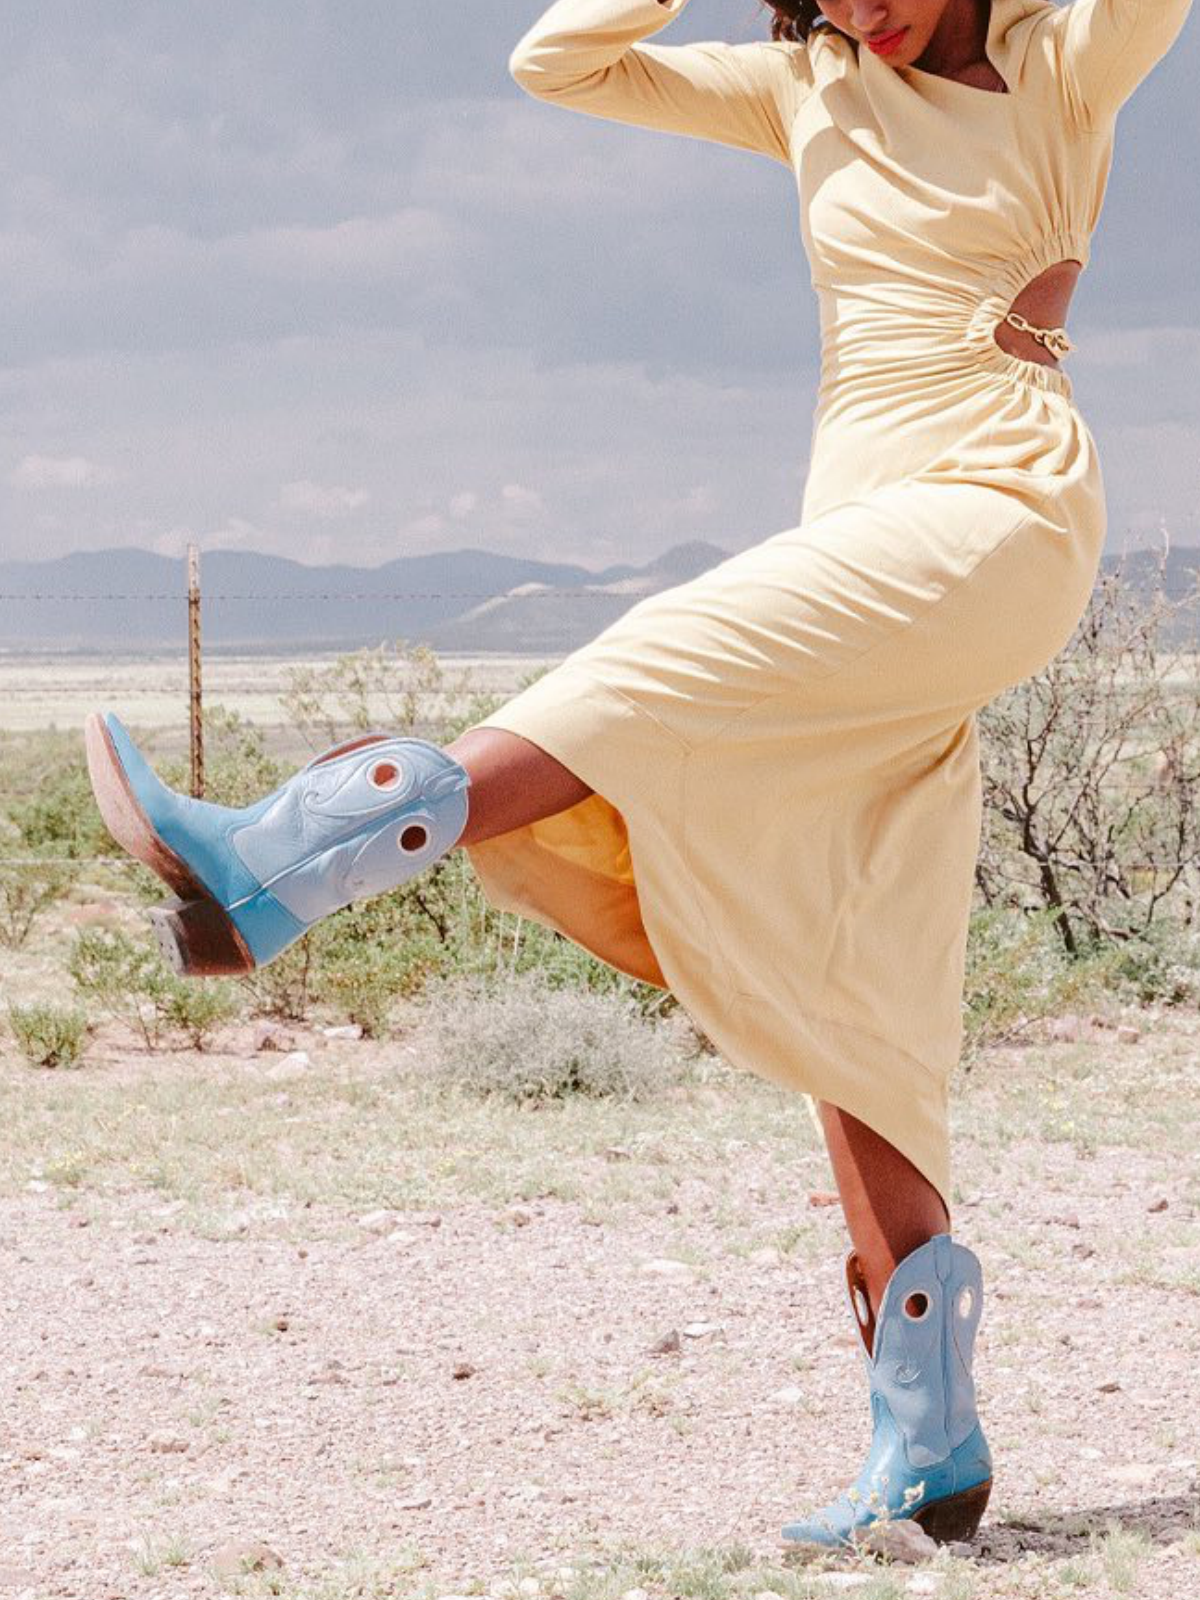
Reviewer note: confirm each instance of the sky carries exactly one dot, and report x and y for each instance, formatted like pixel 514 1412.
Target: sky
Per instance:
pixel 319 279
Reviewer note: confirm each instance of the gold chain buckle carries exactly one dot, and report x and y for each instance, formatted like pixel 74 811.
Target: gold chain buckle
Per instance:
pixel 1054 339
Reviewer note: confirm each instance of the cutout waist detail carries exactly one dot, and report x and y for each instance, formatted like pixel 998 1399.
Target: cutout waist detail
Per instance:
pixel 1055 340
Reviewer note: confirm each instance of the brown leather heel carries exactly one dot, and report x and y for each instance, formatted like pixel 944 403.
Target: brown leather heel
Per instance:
pixel 124 817
pixel 199 940
pixel 956 1517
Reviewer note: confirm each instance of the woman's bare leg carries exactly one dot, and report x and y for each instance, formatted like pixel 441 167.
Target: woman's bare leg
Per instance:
pixel 513 782
pixel 890 1208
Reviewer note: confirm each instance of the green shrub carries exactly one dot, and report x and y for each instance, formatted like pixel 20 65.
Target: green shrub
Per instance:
pixel 129 981
pixel 196 1010
pixel 48 1036
pixel 25 892
pixel 531 1043
pixel 1018 972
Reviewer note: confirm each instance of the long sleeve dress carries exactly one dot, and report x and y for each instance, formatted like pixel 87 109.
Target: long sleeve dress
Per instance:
pixel 784 750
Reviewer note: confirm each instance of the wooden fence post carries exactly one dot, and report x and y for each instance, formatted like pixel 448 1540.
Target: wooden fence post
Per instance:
pixel 197 712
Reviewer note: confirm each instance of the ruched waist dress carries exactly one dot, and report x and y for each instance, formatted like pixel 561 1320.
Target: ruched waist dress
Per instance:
pixel 783 750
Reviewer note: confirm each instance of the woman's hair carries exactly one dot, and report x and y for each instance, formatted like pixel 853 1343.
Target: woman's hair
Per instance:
pixel 794 19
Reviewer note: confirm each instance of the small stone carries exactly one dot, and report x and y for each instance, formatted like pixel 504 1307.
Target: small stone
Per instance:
pixel 959 1547
pixel 415 1502
pixel 463 1369
pixel 377 1221
pixel 1066 1030
pixel 344 1030
pixel 1128 1035
pixel 823 1197
pixel 1108 1388
pixel 1135 1473
pixel 270 1036
pixel 923 1583
pixel 665 1268
pixel 519 1216
pixel 294 1065
pixel 669 1345
pixel 280 1324
pixel 635 1594
pixel 901 1539
pixel 167 1443
pixel 239 1557
pixel 700 1330
pixel 1159 1205
pixel 789 1396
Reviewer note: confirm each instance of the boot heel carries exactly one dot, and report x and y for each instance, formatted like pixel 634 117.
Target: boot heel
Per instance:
pixel 957 1516
pixel 198 939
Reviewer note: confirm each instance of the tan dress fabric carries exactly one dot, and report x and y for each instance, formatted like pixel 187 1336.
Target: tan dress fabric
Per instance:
pixel 784 749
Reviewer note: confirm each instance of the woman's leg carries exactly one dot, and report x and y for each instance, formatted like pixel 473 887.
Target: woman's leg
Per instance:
pixel 890 1207
pixel 513 782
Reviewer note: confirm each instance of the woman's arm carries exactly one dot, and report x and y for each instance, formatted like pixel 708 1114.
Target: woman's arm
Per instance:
pixel 1106 47
pixel 584 54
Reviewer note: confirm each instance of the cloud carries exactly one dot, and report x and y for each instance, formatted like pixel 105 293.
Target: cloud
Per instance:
pixel 463 503
pixel 319 500
pixel 59 472
pixel 521 499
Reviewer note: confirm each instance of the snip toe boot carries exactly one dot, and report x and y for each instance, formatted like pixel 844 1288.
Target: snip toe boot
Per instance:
pixel 928 1459
pixel 361 819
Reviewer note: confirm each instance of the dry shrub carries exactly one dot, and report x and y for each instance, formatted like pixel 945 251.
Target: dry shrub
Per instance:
pixel 531 1043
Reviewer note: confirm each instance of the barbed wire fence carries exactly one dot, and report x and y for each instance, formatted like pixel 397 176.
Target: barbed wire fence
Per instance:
pixel 194 598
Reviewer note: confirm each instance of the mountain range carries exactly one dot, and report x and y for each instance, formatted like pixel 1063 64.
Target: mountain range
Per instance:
pixel 469 601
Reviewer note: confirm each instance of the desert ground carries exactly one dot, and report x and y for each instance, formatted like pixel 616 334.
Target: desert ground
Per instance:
pixel 294 1316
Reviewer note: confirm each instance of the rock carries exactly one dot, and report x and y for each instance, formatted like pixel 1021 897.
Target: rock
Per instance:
pixel 241 1556
pixel 378 1221
pixel 923 1583
pixel 666 1268
pixel 901 1539
pixel 1108 1388
pixel 636 1594
pixel 463 1369
pixel 270 1036
pixel 518 1216
pixel 294 1065
pixel 1140 1475
pixel 789 1396
pixel 823 1197
pixel 1128 1035
pixel 415 1502
pixel 669 1345
pixel 18 1578
pixel 1065 1030
pixel 700 1330
pixel 167 1443
pixel 1159 1205
pixel 344 1030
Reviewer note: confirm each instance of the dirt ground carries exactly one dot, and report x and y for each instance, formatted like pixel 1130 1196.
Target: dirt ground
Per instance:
pixel 309 1315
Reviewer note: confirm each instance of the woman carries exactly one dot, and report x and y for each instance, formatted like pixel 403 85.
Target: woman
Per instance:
pixel 761 787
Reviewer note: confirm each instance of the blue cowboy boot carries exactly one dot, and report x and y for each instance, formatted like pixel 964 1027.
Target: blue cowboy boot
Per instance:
pixel 363 818
pixel 928 1459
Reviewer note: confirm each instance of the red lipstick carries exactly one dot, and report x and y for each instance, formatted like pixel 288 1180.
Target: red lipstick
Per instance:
pixel 887 42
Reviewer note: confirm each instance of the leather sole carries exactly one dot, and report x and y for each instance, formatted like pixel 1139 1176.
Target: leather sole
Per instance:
pixel 956 1517
pixel 195 933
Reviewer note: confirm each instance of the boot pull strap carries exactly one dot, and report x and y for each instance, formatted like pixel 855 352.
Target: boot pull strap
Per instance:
pixel 860 1301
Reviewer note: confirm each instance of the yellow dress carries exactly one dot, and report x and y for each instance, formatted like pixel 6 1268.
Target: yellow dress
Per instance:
pixel 783 750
